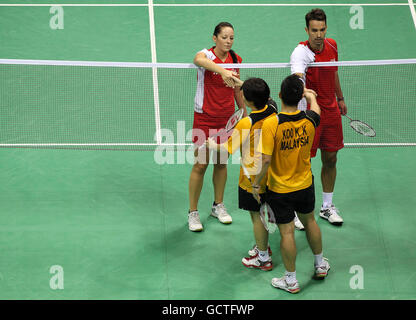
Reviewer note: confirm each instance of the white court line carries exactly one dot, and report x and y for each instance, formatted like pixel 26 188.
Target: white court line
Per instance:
pixel 406 144
pixel 199 4
pixel 72 5
pixel 154 72
pixel 91 144
pixel 412 11
pixel 278 4
pixel 192 66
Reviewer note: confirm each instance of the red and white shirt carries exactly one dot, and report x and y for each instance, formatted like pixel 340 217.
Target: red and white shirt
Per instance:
pixel 319 79
pixel 213 97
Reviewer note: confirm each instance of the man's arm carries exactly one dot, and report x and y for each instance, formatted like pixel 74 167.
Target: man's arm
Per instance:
pixel 310 97
pixel 239 134
pixel 265 163
pixel 340 96
pixel 238 95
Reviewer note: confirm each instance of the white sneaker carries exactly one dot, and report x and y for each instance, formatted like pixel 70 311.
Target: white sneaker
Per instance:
pixel 280 283
pixel 298 224
pixel 255 251
pixel 254 262
pixel 194 222
pixel 221 213
pixel 332 215
pixel 321 271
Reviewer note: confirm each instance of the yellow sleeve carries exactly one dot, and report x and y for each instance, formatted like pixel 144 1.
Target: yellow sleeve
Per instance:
pixel 268 133
pixel 238 136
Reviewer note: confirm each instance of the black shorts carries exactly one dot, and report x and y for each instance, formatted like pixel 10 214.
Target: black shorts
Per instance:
pixel 284 205
pixel 247 202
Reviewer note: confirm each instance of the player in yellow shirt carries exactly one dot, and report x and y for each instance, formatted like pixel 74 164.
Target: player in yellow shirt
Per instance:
pixel 286 143
pixel 245 137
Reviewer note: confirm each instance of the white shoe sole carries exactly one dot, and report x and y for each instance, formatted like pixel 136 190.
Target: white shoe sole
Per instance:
pixel 321 276
pixel 285 288
pixel 335 223
pixel 223 222
pixel 197 229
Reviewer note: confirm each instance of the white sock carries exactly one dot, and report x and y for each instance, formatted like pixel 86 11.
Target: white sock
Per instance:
pixel 290 277
pixel 318 259
pixel 327 199
pixel 263 255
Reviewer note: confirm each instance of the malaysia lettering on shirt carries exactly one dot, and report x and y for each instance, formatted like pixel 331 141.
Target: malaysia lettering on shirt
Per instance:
pixel 294 138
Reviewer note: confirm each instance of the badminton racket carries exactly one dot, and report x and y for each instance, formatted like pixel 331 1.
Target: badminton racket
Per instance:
pixel 266 213
pixel 361 127
pixel 268 218
pixel 231 123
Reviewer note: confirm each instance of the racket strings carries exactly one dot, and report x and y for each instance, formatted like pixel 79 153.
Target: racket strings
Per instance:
pixel 268 218
pixel 362 128
pixel 232 122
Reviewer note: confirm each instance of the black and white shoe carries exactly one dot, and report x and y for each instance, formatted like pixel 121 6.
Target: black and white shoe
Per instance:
pixel 332 215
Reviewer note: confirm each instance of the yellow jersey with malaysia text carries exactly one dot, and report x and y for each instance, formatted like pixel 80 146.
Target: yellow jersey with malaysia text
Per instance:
pixel 288 138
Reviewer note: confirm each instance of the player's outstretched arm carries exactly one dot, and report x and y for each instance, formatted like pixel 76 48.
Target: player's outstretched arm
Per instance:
pixel 237 81
pixel 212 145
pixel 201 60
pixel 310 97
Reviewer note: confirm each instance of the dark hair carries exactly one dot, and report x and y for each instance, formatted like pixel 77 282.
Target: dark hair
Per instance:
pixel 218 29
pixel 315 14
pixel 257 91
pixel 291 90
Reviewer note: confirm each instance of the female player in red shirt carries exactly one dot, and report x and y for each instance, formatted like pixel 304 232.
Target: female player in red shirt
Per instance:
pixel 214 104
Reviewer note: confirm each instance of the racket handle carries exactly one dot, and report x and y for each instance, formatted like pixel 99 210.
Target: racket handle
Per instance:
pixel 203 145
pixel 246 173
pixel 347 116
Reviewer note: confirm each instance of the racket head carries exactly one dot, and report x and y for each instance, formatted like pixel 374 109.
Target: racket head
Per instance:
pixel 362 128
pixel 224 133
pixel 233 120
pixel 267 218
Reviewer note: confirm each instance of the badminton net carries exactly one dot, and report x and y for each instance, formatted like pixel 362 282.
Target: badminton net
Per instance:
pixel 139 106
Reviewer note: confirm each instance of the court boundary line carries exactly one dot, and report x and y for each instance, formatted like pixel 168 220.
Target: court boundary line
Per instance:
pixel 201 4
pixel 412 11
pixel 74 63
pixel 154 71
pixel 4 145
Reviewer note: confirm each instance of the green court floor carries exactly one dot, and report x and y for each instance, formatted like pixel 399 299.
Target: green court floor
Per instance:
pixel 116 221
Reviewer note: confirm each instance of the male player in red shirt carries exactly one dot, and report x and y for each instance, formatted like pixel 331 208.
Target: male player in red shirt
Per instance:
pixel 325 82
